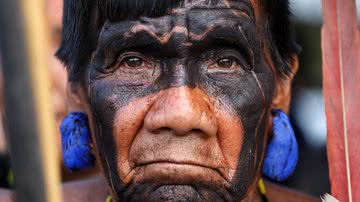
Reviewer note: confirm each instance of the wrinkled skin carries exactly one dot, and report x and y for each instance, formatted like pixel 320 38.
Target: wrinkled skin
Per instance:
pixel 179 105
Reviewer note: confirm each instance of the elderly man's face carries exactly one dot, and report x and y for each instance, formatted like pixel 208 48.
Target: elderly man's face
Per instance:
pixel 179 104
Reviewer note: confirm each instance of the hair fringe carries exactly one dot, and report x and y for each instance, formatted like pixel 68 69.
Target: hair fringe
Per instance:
pixel 281 35
pixel 116 10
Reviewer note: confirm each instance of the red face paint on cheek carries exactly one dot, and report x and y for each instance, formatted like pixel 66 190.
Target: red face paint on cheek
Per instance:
pixel 180 127
pixel 230 135
pixel 128 122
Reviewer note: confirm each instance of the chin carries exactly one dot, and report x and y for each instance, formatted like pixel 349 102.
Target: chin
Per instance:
pixel 155 192
pixel 164 181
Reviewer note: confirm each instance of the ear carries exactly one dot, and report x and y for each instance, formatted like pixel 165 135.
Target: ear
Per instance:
pixel 75 97
pixel 282 95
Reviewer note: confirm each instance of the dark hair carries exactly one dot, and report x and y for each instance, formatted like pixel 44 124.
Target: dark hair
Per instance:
pixel 280 33
pixel 83 20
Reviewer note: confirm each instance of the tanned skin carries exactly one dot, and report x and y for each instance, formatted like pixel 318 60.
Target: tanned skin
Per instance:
pixel 179 106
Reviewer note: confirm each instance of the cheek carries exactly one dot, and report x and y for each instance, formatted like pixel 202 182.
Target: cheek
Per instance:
pixel 230 135
pixel 122 121
pixel 128 122
pixel 128 128
pixel 119 116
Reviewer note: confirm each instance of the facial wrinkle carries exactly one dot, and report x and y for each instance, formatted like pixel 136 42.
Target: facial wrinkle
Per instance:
pixel 256 136
pixel 260 87
pixel 256 160
pixel 263 101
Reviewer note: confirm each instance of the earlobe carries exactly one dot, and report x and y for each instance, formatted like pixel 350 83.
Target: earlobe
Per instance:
pixel 75 96
pixel 282 94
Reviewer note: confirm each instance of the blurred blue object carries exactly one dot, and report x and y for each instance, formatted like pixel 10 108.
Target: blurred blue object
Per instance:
pixel 76 142
pixel 282 151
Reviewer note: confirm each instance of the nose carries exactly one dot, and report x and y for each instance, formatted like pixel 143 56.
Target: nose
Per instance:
pixel 181 110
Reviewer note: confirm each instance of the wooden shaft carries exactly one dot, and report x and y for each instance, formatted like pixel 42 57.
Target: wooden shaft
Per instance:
pixel 28 114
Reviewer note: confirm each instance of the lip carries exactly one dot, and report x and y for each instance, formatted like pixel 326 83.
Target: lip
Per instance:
pixel 188 163
pixel 178 172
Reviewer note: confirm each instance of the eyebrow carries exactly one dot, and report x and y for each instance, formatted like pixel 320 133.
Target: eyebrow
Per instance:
pixel 142 41
pixel 147 43
pixel 227 37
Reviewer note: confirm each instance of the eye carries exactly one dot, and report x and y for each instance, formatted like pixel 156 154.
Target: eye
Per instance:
pixel 225 60
pixel 227 63
pixel 133 62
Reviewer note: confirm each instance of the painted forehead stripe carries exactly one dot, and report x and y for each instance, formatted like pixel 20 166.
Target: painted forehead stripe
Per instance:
pixel 177 29
pixel 163 39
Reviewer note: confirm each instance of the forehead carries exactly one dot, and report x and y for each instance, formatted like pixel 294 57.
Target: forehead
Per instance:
pixel 215 4
pixel 196 23
pixel 208 11
pixel 191 15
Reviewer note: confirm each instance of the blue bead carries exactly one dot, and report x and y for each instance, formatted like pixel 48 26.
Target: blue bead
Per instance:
pixel 76 142
pixel 282 151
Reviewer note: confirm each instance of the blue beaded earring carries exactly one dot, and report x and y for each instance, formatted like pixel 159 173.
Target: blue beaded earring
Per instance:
pixel 282 151
pixel 76 142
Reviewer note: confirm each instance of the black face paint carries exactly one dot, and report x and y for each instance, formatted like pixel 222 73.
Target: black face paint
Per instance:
pixel 183 49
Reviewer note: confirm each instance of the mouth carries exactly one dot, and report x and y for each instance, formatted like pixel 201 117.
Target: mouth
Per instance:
pixel 177 172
